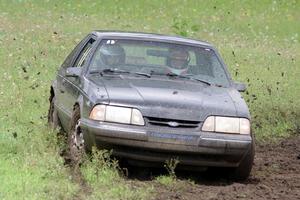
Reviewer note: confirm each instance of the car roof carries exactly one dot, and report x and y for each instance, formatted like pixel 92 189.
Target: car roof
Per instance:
pixel 140 35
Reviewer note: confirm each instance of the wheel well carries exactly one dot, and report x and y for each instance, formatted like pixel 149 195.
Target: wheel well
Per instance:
pixel 76 105
pixel 52 94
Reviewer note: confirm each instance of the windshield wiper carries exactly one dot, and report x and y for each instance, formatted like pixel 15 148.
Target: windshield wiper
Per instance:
pixel 109 70
pixel 187 76
pixel 116 70
pixel 113 70
pixel 142 74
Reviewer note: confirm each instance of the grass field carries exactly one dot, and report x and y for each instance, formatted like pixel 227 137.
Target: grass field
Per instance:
pixel 259 41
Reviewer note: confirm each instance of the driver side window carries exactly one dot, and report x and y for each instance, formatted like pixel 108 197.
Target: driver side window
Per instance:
pixel 81 59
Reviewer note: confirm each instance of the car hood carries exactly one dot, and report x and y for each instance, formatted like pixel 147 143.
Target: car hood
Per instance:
pixel 172 98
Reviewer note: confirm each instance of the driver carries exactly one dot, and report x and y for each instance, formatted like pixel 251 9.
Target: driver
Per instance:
pixel 112 54
pixel 178 61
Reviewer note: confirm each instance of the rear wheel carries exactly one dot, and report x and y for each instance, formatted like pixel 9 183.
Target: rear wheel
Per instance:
pixel 75 139
pixel 53 120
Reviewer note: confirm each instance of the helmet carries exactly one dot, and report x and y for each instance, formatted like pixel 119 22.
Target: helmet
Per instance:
pixel 112 54
pixel 178 58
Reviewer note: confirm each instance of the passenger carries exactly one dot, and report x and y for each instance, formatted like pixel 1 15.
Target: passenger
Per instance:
pixel 112 54
pixel 178 61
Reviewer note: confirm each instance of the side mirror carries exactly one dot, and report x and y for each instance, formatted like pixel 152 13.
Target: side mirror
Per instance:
pixel 241 87
pixel 73 72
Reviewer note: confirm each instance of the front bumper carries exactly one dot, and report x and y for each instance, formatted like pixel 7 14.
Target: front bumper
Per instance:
pixel 194 148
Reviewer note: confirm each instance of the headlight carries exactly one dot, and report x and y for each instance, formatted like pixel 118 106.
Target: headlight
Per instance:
pixel 117 114
pixel 227 125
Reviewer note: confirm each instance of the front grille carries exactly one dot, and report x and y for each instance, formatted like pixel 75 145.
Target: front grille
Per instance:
pixel 172 122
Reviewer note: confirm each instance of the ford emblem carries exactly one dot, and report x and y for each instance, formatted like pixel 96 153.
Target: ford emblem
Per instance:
pixel 173 124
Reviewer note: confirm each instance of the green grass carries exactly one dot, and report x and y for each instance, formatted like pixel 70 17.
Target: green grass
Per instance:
pixel 103 175
pixel 259 41
pixel 166 180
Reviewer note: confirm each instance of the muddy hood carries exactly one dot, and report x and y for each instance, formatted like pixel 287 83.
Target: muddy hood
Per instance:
pixel 172 99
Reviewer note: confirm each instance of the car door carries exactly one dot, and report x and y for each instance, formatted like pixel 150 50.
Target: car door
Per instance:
pixel 71 86
pixel 60 82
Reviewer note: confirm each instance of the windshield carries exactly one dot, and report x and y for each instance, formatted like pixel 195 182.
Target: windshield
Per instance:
pixel 159 59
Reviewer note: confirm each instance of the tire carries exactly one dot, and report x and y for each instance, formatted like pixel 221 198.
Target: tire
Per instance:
pixel 53 120
pixel 242 172
pixel 76 149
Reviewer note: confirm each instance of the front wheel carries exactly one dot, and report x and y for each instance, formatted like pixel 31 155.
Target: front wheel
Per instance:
pixel 242 172
pixel 75 139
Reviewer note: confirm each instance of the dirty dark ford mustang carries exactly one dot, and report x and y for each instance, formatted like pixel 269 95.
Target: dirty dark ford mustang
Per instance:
pixel 150 98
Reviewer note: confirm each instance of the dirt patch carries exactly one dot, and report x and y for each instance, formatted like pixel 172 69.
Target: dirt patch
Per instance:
pixel 84 188
pixel 276 175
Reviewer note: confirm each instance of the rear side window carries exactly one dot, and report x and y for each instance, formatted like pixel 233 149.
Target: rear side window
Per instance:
pixel 81 59
pixel 68 62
